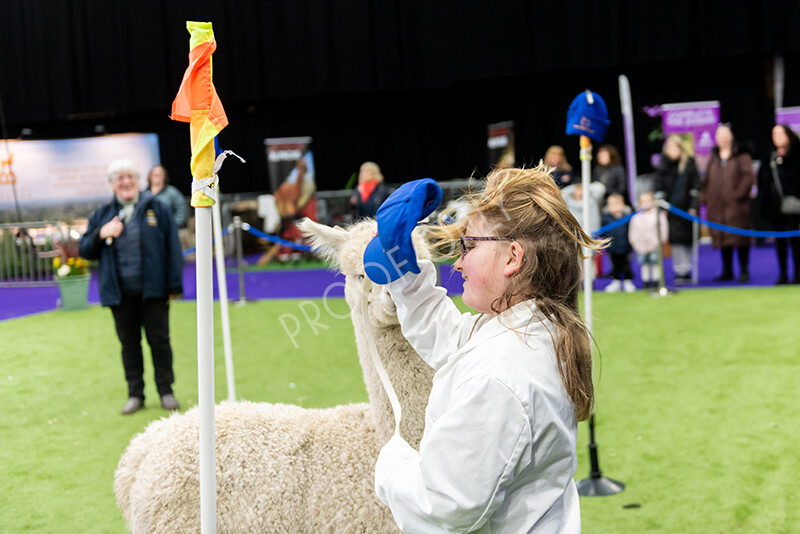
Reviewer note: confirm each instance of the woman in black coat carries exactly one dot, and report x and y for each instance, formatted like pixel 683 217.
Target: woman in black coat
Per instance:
pixel 783 164
pixel 678 182
pixel 610 171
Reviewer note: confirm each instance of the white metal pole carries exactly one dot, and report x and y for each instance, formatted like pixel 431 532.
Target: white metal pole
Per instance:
pixel 630 144
pixel 586 178
pixel 205 371
pixel 222 284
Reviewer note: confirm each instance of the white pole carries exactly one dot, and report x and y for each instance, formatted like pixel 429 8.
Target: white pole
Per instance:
pixel 630 143
pixel 205 370
pixel 222 284
pixel 586 178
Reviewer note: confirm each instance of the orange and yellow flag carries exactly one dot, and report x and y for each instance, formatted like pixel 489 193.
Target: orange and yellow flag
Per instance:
pixel 198 104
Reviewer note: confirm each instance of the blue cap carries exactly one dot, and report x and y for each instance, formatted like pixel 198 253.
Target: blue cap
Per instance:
pixel 588 116
pixel 391 254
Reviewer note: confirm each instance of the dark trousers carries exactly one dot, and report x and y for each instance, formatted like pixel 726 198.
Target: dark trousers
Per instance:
pixel 133 313
pixel 621 266
pixel 788 222
pixel 727 260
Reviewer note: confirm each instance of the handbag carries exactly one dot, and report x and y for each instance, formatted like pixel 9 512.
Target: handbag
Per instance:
pixel 790 204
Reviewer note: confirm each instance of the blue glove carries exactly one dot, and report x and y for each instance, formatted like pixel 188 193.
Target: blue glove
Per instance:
pixel 391 254
pixel 588 116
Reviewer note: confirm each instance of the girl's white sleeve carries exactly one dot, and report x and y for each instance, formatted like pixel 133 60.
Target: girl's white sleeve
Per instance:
pixel 465 464
pixel 430 321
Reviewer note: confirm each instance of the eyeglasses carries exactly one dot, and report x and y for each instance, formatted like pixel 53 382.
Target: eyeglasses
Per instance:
pixel 474 238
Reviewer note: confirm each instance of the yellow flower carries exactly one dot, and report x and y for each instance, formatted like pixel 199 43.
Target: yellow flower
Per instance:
pixel 57 262
pixel 70 261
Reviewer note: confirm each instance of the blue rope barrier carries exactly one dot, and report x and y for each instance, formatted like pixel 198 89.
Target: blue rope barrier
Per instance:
pixel 610 226
pixel 717 226
pixel 731 229
pixel 192 250
pixel 278 240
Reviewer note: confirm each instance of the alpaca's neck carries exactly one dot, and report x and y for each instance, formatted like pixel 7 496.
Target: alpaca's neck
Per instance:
pixel 410 377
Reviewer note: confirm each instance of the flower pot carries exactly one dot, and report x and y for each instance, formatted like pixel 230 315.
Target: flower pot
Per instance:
pixel 74 291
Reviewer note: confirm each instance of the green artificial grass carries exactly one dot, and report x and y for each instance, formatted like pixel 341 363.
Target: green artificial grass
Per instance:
pixel 695 401
pixel 696 412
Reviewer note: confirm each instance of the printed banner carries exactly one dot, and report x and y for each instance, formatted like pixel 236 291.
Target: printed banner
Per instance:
pixel 790 117
pixel 500 143
pixel 291 172
pixel 67 173
pixel 696 123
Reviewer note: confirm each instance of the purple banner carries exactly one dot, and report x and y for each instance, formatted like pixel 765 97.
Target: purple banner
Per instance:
pixel 696 123
pixel 790 117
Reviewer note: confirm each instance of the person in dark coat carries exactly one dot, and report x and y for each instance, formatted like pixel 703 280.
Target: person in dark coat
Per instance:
pixel 783 164
pixel 562 171
pixel 141 269
pixel 371 191
pixel 610 171
pixel 726 190
pixel 678 182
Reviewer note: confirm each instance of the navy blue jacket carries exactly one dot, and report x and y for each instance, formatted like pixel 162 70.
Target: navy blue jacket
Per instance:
pixel 162 268
pixel 619 235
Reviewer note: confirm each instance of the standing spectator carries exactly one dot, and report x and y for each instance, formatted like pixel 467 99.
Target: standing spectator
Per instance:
pixel 643 234
pixel 371 191
pixel 562 173
pixel 610 171
pixel 573 197
pixel 726 191
pixel 778 177
pixel 158 184
pixel 141 267
pixel 678 182
pixel 619 249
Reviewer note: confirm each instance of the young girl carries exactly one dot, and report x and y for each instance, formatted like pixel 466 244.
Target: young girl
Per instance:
pixel 498 453
pixel 643 235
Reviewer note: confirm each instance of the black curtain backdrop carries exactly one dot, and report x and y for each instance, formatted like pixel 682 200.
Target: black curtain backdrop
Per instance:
pixel 411 85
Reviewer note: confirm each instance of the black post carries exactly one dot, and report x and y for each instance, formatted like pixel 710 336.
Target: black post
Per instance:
pixel 597 485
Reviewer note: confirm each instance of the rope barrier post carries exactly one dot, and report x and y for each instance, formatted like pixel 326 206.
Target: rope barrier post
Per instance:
pixel 237 225
pixel 662 286
pixel 695 252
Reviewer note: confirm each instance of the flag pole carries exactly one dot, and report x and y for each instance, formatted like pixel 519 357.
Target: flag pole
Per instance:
pixel 588 278
pixel 588 118
pixel 205 370
pixel 198 104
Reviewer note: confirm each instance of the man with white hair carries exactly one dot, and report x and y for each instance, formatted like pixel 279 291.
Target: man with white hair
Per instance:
pixel 135 239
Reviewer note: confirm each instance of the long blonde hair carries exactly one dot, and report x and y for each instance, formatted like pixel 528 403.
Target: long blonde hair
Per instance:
pixel 684 157
pixel 526 206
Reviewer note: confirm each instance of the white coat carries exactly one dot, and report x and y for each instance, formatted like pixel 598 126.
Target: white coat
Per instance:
pixel 498 451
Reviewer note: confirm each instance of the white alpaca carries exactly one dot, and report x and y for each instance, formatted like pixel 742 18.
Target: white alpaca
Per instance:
pixel 282 468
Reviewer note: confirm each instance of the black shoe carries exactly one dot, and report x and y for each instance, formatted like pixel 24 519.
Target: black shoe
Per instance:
pixel 683 278
pixel 744 278
pixel 724 277
pixel 781 280
pixel 169 402
pixel 133 405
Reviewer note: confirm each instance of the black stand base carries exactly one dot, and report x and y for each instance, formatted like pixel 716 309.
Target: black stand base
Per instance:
pixel 599 487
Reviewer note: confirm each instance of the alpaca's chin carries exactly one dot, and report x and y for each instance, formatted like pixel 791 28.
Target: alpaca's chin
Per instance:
pixel 383 311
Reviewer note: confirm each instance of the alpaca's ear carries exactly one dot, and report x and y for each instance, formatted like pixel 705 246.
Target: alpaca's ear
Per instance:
pixel 327 242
